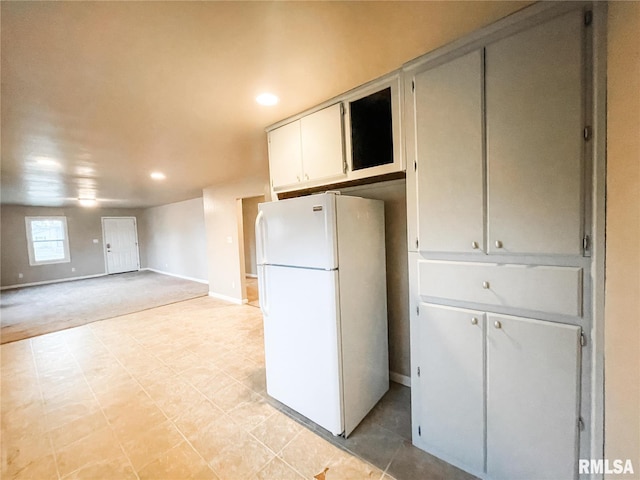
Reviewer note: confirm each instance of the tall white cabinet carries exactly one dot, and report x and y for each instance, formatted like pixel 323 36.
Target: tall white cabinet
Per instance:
pixel 498 132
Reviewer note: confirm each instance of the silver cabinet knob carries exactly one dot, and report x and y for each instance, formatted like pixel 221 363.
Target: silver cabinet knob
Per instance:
pixel 498 244
pixel 474 245
pixel 485 285
pixel 298 177
pixel 474 321
pixel 497 324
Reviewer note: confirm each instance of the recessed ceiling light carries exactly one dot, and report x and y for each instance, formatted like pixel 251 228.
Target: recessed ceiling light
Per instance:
pixel 158 176
pixel 267 99
pixel 87 202
pixel 47 162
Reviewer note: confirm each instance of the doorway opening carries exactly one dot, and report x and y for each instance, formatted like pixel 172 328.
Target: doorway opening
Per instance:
pixel 249 208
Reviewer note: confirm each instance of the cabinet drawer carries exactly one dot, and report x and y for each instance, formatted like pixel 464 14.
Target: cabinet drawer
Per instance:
pixel 549 289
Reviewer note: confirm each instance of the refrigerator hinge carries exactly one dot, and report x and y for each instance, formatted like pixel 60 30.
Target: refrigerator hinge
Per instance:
pixel 583 339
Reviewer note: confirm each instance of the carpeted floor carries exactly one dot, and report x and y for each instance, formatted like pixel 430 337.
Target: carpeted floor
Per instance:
pixel 31 311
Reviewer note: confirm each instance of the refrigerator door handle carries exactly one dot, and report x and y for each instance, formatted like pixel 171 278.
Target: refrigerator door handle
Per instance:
pixel 260 238
pixel 262 291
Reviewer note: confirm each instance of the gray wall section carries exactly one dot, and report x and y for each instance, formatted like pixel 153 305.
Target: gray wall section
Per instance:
pixel 249 213
pixel 83 225
pixel 174 239
pixel 395 213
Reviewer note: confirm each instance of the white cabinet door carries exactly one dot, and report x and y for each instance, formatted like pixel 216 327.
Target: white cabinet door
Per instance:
pixel 533 370
pixel 285 155
pixel 535 139
pixel 322 144
pixel 451 385
pixel 449 144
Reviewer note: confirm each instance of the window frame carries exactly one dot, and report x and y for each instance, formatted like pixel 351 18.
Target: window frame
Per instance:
pixel 30 242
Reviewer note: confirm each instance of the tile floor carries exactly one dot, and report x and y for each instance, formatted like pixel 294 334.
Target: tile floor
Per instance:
pixel 178 392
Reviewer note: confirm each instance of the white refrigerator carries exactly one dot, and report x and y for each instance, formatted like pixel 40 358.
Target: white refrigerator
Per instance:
pixel 322 288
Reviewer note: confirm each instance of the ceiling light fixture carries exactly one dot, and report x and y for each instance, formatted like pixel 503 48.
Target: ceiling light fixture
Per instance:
pixel 87 202
pixel 267 99
pixel 158 176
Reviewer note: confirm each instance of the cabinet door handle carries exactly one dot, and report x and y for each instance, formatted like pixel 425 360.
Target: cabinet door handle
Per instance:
pixel 485 285
pixel 474 245
pixel 474 321
pixel 497 324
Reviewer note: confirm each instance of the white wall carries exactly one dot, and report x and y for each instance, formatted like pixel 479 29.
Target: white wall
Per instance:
pixel 223 221
pixel 174 239
pixel 622 295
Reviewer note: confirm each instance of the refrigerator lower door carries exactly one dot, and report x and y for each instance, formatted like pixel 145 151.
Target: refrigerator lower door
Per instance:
pixel 302 352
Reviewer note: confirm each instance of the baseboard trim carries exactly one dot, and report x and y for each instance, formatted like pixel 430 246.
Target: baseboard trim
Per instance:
pixel 184 277
pixel 227 298
pixel 47 282
pixel 399 378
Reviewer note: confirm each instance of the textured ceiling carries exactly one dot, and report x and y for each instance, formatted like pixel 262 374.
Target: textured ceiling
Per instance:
pixel 96 95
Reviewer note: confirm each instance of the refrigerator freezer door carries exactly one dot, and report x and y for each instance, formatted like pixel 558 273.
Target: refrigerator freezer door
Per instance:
pixel 298 232
pixel 302 353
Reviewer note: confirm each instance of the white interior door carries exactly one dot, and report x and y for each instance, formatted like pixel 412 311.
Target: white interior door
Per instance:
pixel 120 244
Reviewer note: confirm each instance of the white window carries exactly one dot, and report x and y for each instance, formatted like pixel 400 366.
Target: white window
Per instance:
pixel 47 240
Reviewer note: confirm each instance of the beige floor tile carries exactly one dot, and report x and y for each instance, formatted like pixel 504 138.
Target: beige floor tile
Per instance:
pixel 240 458
pixel 111 469
pixel 128 420
pixel 148 445
pixel 43 468
pixel 99 447
pixel 277 469
pixel 71 411
pixel 231 396
pixel 276 431
pixel 213 436
pixel 251 413
pixel 180 462
pixel 197 415
pixel 308 453
pixel 347 467
pixel 174 396
pixel 77 429
pixel 21 450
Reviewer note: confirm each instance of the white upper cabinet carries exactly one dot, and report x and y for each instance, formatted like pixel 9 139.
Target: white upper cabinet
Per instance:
pixel 322 144
pixel 534 115
pixel 449 153
pixel 307 150
pixel 499 145
pixel 285 155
